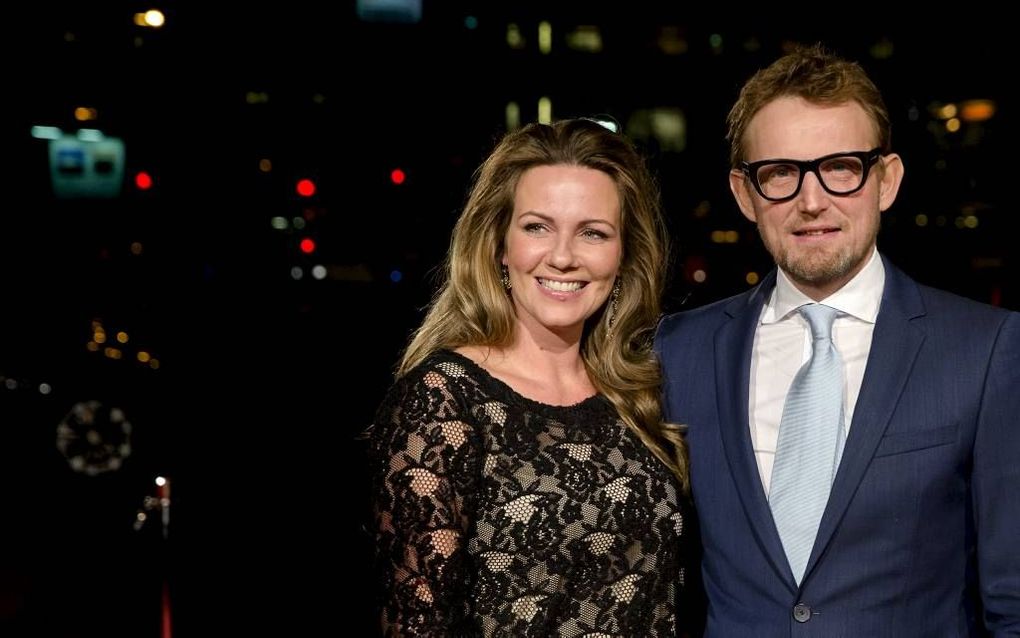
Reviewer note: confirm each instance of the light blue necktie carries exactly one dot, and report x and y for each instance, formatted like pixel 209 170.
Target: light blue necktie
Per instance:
pixel 810 442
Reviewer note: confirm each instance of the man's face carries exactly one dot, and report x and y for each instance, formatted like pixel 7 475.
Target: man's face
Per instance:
pixel 820 240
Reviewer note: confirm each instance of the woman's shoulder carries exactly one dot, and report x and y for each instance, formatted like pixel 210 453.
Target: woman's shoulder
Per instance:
pixel 433 398
pixel 442 368
pixel 444 381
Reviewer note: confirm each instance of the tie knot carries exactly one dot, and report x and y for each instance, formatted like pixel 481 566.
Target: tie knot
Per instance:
pixel 820 319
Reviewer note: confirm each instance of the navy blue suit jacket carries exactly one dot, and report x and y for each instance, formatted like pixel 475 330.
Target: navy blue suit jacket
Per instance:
pixel 922 528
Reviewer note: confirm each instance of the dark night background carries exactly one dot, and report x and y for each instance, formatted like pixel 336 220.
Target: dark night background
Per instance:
pixel 265 381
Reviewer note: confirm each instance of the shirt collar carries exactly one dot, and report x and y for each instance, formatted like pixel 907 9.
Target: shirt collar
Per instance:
pixel 860 297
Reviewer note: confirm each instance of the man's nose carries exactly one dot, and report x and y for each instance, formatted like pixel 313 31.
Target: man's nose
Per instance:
pixel 812 196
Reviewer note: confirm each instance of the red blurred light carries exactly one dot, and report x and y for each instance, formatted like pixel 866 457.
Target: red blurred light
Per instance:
pixel 143 181
pixel 305 187
pixel 307 246
pixel 398 176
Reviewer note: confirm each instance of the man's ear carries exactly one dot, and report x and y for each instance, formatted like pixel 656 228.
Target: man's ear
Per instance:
pixel 740 186
pixel 889 182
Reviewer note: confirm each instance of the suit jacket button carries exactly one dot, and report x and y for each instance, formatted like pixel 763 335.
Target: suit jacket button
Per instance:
pixel 801 612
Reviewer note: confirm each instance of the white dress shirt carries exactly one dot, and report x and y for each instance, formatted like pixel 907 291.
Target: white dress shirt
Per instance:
pixel 782 343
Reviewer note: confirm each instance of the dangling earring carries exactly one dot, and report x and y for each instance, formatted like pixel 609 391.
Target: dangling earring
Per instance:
pixel 614 307
pixel 506 279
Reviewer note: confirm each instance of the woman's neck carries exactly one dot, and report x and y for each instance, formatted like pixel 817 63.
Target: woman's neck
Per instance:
pixel 545 373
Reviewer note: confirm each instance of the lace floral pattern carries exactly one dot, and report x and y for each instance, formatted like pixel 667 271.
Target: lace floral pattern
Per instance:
pixel 500 516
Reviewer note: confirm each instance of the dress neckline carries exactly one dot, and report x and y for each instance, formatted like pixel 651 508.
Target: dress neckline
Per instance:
pixel 504 389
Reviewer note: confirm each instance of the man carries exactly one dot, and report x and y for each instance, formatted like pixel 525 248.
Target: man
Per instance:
pixel 893 507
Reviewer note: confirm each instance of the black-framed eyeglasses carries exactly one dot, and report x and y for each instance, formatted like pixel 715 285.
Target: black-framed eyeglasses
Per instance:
pixel 843 173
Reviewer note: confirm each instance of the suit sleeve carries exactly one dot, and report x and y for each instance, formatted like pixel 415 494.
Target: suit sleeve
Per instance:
pixel 996 485
pixel 425 464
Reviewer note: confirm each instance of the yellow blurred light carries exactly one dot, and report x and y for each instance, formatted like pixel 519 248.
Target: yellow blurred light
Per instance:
pixel 921 219
pixel 154 18
pixel 585 38
pixel 265 165
pixel 699 276
pixel 154 363
pixel 151 19
pixel 513 116
pixel 122 337
pixel 952 125
pixel 112 353
pixel 92 346
pixel 514 39
pixel 99 336
pixel 544 37
pixel 143 356
pixel 544 110
pixel 946 111
pixel 751 278
pixel 970 221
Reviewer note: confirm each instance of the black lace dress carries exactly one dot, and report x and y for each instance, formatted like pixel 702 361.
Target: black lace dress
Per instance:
pixel 501 516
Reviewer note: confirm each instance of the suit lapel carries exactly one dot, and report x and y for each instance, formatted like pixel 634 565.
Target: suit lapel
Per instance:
pixel 733 344
pixel 894 347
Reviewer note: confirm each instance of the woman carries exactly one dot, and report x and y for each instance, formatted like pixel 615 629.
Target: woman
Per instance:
pixel 525 482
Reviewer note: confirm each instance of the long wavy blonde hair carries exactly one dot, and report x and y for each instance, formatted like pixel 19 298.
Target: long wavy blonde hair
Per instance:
pixel 471 307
